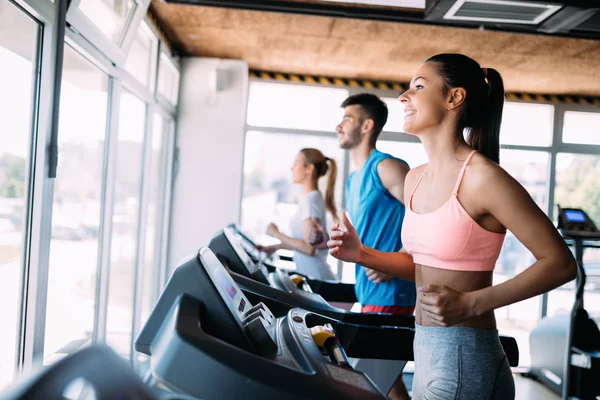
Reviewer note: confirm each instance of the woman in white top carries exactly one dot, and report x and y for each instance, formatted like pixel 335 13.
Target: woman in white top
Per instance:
pixel 310 165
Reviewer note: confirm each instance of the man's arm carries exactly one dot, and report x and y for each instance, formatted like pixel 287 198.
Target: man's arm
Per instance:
pixel 392 173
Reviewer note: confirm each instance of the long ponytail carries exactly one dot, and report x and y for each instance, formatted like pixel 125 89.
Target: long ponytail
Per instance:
pixel 484 102
pixel 330 191
pixel 485 136
pixel 324 165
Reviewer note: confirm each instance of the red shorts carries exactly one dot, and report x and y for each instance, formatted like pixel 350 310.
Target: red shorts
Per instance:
pixel 409 310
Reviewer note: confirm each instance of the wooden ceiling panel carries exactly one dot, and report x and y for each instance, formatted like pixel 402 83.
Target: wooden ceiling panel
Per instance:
pixel 374 50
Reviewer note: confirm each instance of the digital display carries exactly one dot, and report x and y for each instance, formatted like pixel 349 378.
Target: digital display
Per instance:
pixel 225 282
pixel 574 216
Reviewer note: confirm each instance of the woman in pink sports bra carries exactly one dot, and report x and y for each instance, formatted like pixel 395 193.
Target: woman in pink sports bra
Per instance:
pixel 459 207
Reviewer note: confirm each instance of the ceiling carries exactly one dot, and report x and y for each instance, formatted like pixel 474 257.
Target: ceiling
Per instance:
pixel 377 50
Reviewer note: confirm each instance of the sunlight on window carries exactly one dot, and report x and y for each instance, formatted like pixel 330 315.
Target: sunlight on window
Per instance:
pixel 581 127
pixel 296 107
pixel 17 54
pixel 527 124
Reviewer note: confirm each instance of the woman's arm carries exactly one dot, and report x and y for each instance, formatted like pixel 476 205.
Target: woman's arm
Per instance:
pixel 345 245
pixel 302 245
pixel 510 204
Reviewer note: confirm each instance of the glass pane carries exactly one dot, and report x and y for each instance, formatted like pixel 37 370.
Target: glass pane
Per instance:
pixel 577 185
pixel 76 209
pixel 413 153
pixel 530 168
pixel 395 120
pixel 168 80
pixel 156 197
pixel 110 16
pixel 18 36
pixel 295 107
pixel 581 127
pixel 268 193
pixel 527 124
pixel 125 222
pixel 141 59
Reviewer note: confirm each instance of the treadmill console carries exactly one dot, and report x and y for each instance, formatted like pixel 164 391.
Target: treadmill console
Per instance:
pixel 575 223
pixel 256 270
pixel 257 321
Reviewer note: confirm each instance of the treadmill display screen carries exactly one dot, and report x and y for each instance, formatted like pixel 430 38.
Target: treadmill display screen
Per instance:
pixel 225 283
pixel 574 216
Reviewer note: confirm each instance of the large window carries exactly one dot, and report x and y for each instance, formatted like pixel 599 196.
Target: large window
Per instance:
pixel 157 184
pixel 578 185
pixel 295 107
pixel 141 60
pixel 530 168
pixel 125 223
pixel 18 36
pixel 77 201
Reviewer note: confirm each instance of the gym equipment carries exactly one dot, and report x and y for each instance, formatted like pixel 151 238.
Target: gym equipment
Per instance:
pixel 231 242
pixel 565 349
pixel 206 338
pixel 99 366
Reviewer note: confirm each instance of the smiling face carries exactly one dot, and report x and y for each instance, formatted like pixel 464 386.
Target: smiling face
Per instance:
pixel 426 101
pixel 349 130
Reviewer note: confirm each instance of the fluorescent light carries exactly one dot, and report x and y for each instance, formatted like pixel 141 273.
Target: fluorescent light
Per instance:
pixel 388 3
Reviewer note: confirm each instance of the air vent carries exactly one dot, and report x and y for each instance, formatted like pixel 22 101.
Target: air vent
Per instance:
pixel 592 24
pixel 501 11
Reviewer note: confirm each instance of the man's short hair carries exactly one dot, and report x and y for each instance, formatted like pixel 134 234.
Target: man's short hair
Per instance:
pixel 373 107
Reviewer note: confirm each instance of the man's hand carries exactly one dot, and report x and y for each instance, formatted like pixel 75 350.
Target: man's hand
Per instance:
pixel 345 244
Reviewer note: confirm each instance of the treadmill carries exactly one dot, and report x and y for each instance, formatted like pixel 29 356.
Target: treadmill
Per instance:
pixel 332 291
pixel 572 368
pixel 281 290
pixel 95 372
pixel 208 340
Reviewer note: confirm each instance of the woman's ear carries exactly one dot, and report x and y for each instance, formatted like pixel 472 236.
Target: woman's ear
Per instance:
pixel 456 97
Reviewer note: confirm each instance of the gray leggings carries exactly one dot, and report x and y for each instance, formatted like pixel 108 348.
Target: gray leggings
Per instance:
pixel 460 363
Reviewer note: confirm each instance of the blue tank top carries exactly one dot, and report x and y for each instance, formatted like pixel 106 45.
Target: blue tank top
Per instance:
pixel 377 217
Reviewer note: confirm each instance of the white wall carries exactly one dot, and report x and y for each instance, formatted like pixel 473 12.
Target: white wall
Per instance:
pixel 210 140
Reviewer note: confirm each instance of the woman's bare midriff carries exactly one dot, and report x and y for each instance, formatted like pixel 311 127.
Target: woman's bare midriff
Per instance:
pixel 462 281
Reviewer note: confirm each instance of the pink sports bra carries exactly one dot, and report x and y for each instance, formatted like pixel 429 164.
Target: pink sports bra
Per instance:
pixel 449 238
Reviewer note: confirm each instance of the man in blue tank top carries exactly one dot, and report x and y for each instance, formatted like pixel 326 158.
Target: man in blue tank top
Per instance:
pixel 375 205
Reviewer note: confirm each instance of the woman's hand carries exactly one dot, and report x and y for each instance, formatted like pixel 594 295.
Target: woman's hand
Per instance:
pixel 376 276
pixel 344 243
pixel 267 249
pixel 272 230
pixel 445 306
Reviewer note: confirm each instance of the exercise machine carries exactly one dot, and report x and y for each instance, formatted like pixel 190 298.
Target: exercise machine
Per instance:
pixel 565 348
pixel 208 340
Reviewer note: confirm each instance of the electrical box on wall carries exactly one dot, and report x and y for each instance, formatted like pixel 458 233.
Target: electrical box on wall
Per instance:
pixel 218 80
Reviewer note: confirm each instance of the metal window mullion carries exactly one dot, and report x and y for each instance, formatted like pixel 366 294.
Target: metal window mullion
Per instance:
pixel 106 212
pixel 38 220
pixel 346 173
pixel 166 210
pixel 141 234
pixel 557 128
